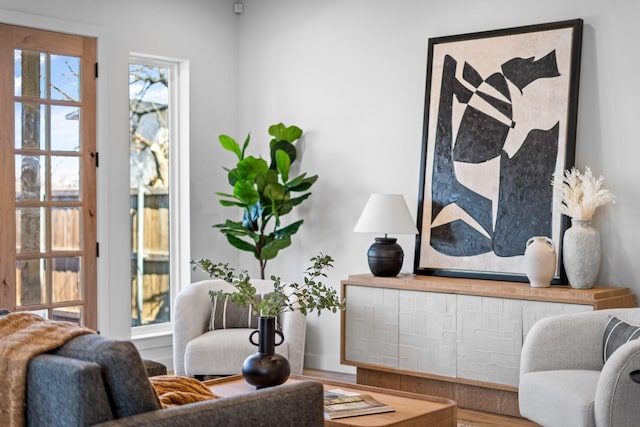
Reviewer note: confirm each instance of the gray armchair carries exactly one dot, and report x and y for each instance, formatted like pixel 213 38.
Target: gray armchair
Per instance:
pixel 199 351
pixel 564 381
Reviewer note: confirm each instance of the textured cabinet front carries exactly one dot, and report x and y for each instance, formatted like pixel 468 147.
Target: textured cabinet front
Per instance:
pixel 489 339
pixel 371 325
pixel 427 332
pixel 533 311
pixel 491 331
pixel 459 336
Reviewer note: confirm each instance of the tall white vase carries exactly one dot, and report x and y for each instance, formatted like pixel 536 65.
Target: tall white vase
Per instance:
pixel 581 254
pixel 540 261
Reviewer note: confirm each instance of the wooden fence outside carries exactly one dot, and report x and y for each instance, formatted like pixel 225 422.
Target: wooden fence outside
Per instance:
pixel 65 235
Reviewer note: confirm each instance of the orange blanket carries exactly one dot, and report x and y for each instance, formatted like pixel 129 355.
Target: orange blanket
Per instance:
pixel 175 390
pixel 22 336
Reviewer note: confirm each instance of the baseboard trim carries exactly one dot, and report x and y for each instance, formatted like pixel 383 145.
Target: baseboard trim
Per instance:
pixel 325 362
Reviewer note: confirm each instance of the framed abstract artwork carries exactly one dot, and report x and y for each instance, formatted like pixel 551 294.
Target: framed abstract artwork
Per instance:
pixel 500 121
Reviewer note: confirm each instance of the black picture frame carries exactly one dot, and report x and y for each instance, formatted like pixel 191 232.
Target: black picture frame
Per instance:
pixel 500 121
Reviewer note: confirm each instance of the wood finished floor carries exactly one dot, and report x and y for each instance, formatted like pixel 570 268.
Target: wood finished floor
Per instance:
pixel 466 417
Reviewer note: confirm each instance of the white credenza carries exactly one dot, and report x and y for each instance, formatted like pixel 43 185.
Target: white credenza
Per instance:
pixel 450 336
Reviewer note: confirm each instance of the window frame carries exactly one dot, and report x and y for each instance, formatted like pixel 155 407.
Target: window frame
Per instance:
pixel 179 198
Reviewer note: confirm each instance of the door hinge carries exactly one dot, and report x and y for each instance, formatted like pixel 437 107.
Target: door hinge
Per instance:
pixel 97 249
pixel 96 70
pixel 96 156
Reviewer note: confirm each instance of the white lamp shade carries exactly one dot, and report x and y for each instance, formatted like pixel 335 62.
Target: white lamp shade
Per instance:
pixel 386 213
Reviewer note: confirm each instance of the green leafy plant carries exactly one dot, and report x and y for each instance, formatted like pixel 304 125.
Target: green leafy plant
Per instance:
pixel 264 191
pixel 312 295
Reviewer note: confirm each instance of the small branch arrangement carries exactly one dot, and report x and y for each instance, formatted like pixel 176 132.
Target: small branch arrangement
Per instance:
pixel 310 296
pixel 581 193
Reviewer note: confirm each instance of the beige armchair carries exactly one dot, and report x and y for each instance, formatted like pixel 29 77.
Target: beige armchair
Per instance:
pixel 199 351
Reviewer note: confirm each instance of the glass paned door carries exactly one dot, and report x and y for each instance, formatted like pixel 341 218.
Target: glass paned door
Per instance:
pixel 50 198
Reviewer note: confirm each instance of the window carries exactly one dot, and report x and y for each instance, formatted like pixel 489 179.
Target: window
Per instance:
pixel 157 146
pixel 48 174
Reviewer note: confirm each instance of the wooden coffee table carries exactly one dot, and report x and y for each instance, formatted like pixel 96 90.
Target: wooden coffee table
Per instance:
pixel 411 409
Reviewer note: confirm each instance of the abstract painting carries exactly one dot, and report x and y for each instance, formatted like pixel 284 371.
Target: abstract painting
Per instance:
pixel 500 121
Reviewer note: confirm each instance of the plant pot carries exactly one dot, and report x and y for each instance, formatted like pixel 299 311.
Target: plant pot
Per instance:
pixel 266 368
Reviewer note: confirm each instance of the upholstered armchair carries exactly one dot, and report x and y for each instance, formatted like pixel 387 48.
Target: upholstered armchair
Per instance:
pixel 564 380
pixel 198 350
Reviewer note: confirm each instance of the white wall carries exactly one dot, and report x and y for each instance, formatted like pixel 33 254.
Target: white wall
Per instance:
pixel 352 74
pixel 202 32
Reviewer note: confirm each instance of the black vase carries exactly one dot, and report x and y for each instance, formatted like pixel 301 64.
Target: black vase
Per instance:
pixel 266 368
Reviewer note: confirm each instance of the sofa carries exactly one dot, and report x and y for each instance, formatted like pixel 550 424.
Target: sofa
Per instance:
pixel 564 379
pixel 96 381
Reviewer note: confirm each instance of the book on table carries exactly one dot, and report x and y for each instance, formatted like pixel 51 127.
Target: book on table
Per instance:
pixel 341 404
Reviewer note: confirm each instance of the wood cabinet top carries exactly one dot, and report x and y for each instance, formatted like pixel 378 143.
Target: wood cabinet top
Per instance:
pixel 599 296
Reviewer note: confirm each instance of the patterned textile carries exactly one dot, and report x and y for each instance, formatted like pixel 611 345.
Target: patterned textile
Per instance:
pixel 617 333
pixel 226 314
pixel 175 390
pixel 22 336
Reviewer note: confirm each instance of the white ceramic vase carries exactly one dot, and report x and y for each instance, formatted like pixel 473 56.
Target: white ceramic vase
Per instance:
pixel 540 261
pixel 581 254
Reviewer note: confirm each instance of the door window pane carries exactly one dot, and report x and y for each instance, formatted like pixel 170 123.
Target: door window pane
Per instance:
pixel 65 128
pixel 31 281
pixel 31 230
pixel 30 71
pixel 30 178
pixel 65 78
pixel 65 178
pixel 71 314
pixel 65 229
pixel 30 125
pixel 65 279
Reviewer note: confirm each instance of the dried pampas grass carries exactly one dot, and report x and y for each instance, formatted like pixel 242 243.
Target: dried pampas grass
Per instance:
pixel 581 193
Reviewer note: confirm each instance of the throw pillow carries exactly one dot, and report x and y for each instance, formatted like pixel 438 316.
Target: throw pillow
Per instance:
pixel 617 333
pixel 225 314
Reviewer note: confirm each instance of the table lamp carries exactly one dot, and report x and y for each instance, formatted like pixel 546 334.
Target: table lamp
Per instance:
pixel 388 214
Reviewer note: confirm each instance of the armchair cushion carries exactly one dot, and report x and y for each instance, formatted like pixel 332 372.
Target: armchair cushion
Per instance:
pixel 203 357
pixel 617 333
pixel 567 397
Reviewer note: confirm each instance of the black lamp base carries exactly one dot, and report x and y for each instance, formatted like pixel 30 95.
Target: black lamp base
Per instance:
pixel 385 257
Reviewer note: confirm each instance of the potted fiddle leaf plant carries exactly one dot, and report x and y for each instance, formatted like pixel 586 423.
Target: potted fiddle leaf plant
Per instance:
pixel 267 368
pixel 265 192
